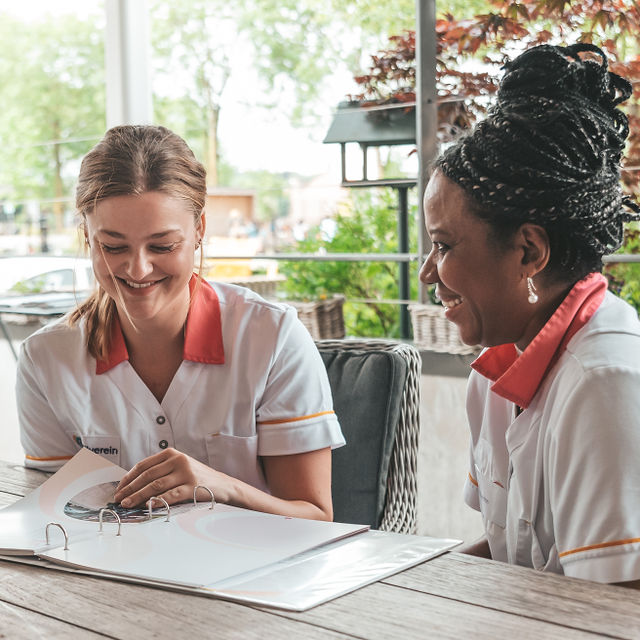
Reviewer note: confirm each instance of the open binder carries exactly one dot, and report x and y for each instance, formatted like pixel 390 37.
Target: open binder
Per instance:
pixel 205 548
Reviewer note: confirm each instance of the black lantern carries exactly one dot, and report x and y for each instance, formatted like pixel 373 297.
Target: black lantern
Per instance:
pixel 374 126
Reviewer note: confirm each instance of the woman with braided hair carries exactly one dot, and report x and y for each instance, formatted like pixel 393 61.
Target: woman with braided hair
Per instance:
pixel 520 213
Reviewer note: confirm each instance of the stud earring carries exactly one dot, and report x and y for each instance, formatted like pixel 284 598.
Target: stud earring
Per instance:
pixel 533 296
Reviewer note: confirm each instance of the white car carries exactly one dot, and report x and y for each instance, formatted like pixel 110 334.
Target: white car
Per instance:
pixel 24 275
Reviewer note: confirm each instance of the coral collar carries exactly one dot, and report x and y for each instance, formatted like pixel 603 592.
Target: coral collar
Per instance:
pixel 203 331
pixel 518 378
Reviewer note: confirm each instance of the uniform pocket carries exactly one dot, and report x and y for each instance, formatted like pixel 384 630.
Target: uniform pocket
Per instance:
pixel 236 456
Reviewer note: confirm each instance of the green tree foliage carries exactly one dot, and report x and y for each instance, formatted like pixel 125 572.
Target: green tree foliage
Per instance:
pixel 299 44
pixel 52 73
pixel 52 96
pixel 624 277
pixel 366 224
pixel 295 47
pixel 194 41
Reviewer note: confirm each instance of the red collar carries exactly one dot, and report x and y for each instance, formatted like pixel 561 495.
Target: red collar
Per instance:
pixel 203 331
pixel 519 378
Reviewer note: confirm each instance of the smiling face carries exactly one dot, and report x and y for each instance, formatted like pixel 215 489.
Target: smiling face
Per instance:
pixel 146 244
pixel 479 281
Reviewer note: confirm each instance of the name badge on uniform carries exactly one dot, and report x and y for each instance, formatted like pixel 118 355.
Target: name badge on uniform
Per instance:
pixel 106 446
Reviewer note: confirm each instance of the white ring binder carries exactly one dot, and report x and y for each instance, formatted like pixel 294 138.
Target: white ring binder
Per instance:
pixel 113 513
pixel 64 533
pixel 166 504
pixel 201 486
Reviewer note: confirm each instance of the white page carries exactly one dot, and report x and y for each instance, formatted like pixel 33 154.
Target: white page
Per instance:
pixel 22 524
pixel 200 546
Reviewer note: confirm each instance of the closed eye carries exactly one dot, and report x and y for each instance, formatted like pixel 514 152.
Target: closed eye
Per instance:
pixel 109 248
pixel 164 248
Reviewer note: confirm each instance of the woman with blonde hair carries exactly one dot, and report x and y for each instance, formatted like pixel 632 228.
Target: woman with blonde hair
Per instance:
pixel 184 382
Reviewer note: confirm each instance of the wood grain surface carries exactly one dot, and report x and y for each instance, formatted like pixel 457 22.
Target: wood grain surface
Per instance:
pixel 452 596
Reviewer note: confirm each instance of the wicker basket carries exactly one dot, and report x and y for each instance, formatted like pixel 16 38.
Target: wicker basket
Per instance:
pixel 323 318
pixel 432 331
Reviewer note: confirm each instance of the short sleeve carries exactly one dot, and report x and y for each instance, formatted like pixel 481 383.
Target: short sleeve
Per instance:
pixel 295 413
pixel 46 445
pixel 594 476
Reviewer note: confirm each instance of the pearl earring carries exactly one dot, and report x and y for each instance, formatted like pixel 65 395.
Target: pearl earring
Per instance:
pixel 533 296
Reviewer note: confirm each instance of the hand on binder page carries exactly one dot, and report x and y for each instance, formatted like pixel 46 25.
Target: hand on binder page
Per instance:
pixel 196 546
pixel 220 551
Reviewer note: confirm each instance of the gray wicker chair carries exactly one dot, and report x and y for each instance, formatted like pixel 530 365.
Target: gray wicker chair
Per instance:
pixel 376 394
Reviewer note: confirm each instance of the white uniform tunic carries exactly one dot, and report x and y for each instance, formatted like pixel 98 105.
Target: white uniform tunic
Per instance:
pixel 559 484
pixel 251 384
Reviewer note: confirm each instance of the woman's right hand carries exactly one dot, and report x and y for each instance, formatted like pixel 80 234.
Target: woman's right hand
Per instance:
pixel 172 475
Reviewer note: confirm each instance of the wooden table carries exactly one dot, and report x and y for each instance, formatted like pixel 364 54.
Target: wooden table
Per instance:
pixel 452 596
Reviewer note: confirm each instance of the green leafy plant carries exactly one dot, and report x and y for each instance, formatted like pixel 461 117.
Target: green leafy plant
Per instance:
pixel 366 224
pixel 624 277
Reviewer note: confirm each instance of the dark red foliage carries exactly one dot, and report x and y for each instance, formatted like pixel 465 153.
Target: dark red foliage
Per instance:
pixel 511 26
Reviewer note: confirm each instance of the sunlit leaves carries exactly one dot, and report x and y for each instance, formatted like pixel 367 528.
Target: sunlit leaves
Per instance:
pixel 366 223
pixel 52 95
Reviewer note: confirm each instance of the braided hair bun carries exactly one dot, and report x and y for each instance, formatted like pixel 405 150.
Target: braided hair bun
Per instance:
pixel 549 153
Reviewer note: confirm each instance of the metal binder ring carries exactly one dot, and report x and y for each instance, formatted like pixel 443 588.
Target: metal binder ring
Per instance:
pixel 114 514
pixel 201 486
pixel 166 504
pixel 64 532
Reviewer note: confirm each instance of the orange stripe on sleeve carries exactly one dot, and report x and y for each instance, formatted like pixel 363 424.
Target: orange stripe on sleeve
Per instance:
pixel 600 545
pixel 313 415
pixel 473 480
pixel 54 459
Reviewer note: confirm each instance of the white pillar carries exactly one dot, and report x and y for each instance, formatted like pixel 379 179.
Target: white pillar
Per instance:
pixel 127 55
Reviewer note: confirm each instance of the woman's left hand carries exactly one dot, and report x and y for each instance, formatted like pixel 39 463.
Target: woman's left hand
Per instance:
pixel 171 475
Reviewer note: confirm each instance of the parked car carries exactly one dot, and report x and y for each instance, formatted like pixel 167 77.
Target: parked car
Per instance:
pixel 25 275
